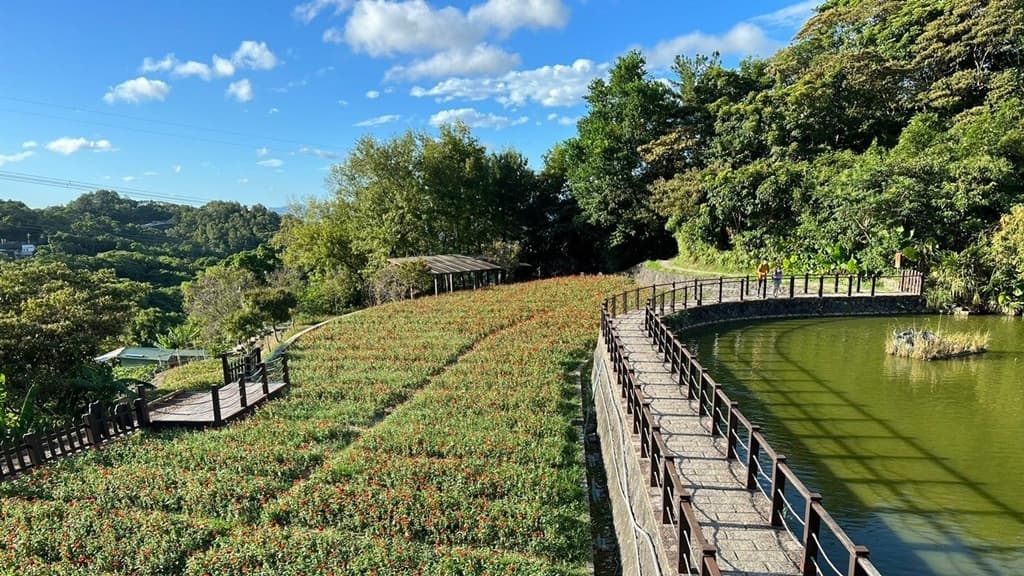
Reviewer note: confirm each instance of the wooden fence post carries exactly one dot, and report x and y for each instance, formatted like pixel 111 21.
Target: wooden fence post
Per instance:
pixel 243 400
pixel 141 407
pixel 859 553
pixel 721 281
pixel 821 286
pixel 35 448
pixel 215 398
pixel 778 490
pixel 265 379
pixel 807 276
pixel 700 393
pixel 715 402
pixel 849 286
pixel 792 286
pixel 284 370
pixel 752 451
pixel 731 430
pixel 224 366
pixel 812 525
pixel 98 423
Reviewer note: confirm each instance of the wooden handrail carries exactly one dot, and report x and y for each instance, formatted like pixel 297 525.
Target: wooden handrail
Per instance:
pixel 695 378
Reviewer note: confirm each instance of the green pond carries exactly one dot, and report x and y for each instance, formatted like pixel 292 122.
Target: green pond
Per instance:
pixel 922 462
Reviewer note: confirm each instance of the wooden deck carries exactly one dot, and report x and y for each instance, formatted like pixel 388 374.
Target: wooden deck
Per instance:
pixel 196 409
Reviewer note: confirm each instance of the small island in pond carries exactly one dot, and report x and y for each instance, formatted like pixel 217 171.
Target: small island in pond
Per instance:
pixel 928 345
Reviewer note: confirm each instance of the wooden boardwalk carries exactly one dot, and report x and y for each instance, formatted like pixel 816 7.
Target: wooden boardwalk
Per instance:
pixel 729 503
pixel 196 409
pixel 732 518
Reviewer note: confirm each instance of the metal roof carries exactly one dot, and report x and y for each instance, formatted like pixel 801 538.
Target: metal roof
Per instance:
pixel 450 263
pixel 150 354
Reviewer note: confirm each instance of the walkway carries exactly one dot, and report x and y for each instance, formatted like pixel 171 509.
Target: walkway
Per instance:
pixel 732 518
pixel 197 408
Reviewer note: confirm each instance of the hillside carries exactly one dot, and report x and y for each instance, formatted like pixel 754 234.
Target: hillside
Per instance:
pixel 350 472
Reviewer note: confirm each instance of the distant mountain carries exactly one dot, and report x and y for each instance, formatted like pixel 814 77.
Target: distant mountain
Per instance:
pixel 280 210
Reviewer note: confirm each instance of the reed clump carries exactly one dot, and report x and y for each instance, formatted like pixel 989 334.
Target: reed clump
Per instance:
pixel 928 345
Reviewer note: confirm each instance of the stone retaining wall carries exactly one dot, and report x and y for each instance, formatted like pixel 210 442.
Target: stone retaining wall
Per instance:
pixel 795 308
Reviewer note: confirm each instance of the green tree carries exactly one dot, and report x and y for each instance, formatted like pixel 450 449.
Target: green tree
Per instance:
pixel 606 172
pixel 214 302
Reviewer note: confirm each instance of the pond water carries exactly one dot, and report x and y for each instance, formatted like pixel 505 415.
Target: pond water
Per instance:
pixel 922 462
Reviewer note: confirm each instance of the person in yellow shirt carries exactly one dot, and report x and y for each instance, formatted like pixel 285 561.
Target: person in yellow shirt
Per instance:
pixel 762 278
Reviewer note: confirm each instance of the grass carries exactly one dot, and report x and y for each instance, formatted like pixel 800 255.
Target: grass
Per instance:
pixel 945 345
pixel 683 264
pixel 431 436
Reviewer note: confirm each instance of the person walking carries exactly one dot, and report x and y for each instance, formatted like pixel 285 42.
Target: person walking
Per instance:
pixel 777 280
pixel 762 279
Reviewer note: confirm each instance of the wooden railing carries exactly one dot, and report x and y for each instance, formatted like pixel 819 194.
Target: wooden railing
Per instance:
pixel 766 470
pixel 245 369
pixel 673 296
pixel 696 554
pixel 95 428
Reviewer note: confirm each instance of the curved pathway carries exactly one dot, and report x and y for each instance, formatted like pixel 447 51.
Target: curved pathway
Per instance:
pixel 732 518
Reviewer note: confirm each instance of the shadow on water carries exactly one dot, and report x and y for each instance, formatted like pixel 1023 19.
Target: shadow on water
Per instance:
pixel 890 491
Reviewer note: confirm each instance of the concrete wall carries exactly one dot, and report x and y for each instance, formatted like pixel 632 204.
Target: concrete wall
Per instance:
pixel 795 308
pixel 636 526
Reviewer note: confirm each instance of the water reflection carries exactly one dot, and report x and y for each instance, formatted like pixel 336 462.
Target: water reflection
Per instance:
pixel 920 461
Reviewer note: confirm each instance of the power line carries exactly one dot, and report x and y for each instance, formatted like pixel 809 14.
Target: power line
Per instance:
pixel 134 193
pixel 150 120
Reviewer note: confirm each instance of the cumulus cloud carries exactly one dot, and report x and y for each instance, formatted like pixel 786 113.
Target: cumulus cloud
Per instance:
pixel 377 121
pixel 475 119
pixel 67 145
pixel 254 55
pixel 243 181
pixel 385 28
pixel 223 67
pixel 271 163
pixel 373 94
pixel 163 65
pixel 744 39
pixel 551 86
pixel 149 173
pixel 177 168
pixel 191 68
pixel 480 60
pixel 261 152
pixel 563 120
pixel 29 144
pixel 308 11
pixel 507 15
pixel 240 90
pixel 16 157
pixel 138 90
pixel 792 16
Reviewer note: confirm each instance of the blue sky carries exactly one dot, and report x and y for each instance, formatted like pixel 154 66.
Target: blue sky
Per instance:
pixel 195 101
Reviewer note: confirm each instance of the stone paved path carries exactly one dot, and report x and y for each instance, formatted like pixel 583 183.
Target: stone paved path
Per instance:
pixel 731 517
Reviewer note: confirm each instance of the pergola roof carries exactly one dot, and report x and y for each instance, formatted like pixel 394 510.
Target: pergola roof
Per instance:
pixel 450 264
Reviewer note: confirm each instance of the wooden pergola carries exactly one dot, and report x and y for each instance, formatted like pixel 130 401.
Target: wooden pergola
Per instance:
pixel 454 271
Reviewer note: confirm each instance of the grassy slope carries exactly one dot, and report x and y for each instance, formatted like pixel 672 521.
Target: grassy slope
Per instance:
pixel 475 470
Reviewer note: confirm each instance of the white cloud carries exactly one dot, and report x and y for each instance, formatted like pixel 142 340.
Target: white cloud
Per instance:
pixel 307 12
pixel 480 60
pixel 563 120
pixel 550 86
pixel 254 55
pixel 163 65
pixel 388 27
pixel 272 111
pixel 744 39
pixel 792 16
pixel 322 154
pixel 377 121
pixel 223 67
pixel 475 119
pixel 191 68
pixel 243 181
pixel 240 90
pixel 127 178
pixel 67 146
pixel 29 144
pixel 149 173
pixel 261 152
pixel 507 15
pixel 385 28
pixel 177 168
pixel 16 157
pixel 343 102
pixel 138 90
pixel 333 35
pixel 373 94
pixel 271 163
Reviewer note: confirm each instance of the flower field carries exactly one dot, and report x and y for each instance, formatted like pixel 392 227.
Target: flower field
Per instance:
pixel 430 436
